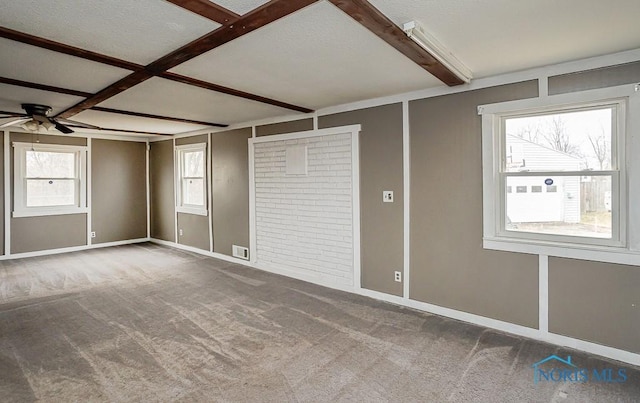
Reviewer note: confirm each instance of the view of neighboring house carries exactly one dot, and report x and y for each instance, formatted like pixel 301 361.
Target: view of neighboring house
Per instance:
pixel 541 199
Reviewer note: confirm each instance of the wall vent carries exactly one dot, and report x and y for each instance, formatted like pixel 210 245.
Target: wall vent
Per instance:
pixel 240 252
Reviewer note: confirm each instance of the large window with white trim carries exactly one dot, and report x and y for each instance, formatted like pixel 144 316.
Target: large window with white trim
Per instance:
pixel 49 179
pixel 555 172
pixel 191 178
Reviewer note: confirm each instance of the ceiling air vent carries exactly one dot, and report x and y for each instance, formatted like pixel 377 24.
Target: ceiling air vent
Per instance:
pixel 240 252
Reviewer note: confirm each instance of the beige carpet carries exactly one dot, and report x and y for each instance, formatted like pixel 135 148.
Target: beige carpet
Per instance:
pixel 149 323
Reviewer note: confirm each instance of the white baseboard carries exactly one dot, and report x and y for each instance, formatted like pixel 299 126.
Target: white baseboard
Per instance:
pixel 72 249
pixel 452 313
pixel 187 248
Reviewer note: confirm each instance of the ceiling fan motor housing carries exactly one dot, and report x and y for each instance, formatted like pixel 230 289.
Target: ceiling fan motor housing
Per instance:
pixel 36 109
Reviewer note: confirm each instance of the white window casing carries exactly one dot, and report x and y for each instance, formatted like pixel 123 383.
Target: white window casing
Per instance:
pixel 77 205
pixel 188 199
pixel 623 246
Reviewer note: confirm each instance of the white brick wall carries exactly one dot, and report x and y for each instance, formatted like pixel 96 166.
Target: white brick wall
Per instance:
pixel 304 223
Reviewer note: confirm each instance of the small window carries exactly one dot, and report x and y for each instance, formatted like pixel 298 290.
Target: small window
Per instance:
pixel 536 189
pixel 49 179
pixel 521 189
pixel 552 188
pixel 192 187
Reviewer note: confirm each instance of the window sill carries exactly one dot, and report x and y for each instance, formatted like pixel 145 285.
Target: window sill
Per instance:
pixel 194 211
pixel 607 254
pixel 48 212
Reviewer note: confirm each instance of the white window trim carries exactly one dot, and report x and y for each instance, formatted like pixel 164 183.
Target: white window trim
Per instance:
pixel 19 172
pixel 180 206
pixel 627 248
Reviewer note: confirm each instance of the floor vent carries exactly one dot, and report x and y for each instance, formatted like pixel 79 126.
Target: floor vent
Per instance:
pixel 240 252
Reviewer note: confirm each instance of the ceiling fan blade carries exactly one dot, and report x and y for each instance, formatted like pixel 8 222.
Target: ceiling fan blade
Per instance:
pixel 75 123
pixel 13 114
pixel 62 128
pixel 13 121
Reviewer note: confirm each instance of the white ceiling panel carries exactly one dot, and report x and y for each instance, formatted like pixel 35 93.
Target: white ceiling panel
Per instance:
pixel 167 98
pixel 41 66
pixel 240 7
pixel 493 37
pixel 315 58
pixel 124 122
pixel 139 31
pixel 11 97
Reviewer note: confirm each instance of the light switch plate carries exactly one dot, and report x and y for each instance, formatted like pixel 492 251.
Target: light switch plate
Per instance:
pixel 387 196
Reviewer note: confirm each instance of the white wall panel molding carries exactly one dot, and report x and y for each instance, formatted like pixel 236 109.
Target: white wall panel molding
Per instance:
pixel 406 174
pixel 7 192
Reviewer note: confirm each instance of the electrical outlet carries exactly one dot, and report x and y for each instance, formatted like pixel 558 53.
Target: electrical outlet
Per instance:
pixel 387 196
pixel 180 233
pixel 398 276
pixel 93 234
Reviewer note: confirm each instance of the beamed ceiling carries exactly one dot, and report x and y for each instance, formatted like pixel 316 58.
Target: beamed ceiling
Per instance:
pixel 174 66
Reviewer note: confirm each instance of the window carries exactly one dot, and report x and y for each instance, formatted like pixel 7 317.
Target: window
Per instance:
pixel 569 150
pixel 192 187
pixel 49 179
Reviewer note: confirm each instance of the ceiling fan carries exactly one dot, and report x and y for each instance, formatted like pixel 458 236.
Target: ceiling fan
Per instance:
pixel 37 116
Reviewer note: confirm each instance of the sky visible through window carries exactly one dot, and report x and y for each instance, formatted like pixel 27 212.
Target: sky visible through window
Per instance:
pixel 584 134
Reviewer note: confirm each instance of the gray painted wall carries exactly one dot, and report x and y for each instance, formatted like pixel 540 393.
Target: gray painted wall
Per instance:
pixel 161 185
pixel 449 266
pixel 119 190
pixel 381 223
pixel 195 230
pixel 598 78
pixel 201 138
pixel 29 234
pixel 597 302
pixel 285 127
pixel 230 211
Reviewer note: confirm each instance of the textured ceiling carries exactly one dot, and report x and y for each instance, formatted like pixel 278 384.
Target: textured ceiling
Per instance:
pixel 499 36
pixel 42 66
pixel 163 97
pixel 12 97
pixel 240 6
pixel 139 31
pixel 110 120
pixel 316 57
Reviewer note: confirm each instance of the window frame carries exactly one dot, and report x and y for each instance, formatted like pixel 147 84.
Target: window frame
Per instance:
pixel 181 206
pixel 495 235
pixel 20 208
